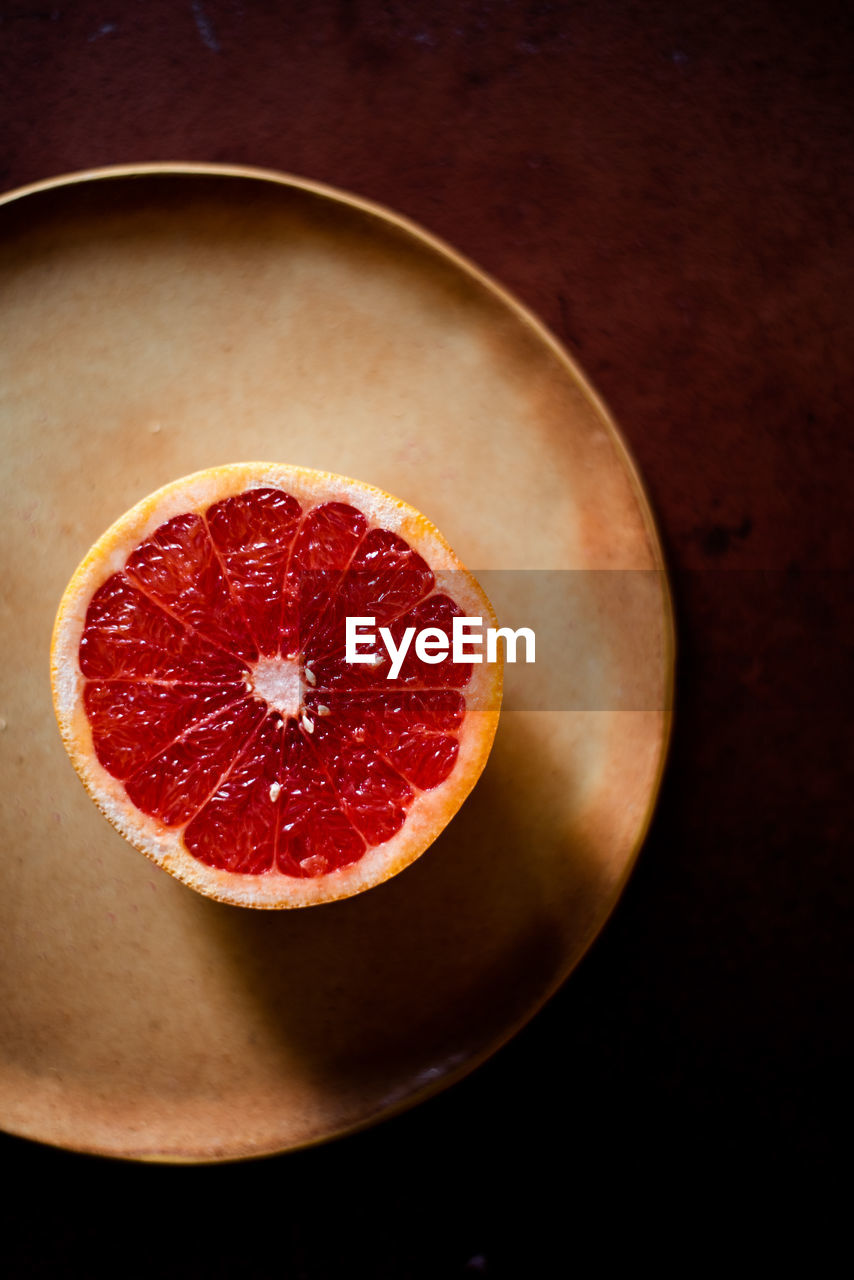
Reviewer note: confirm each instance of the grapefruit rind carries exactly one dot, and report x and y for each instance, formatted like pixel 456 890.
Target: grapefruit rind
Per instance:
pixel 430 811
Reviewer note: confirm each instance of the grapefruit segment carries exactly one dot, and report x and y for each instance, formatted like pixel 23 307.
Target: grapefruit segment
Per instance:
pixel 203 692
pixel 179 570
pixel 414 732
pixel 325 545
pixel 134 720
pixel 315 836
pixel 236 828
pixel 126 635
pixel 175 784
pixel 253 534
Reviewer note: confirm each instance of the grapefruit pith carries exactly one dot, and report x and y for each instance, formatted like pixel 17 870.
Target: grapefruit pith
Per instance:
pixel 203 692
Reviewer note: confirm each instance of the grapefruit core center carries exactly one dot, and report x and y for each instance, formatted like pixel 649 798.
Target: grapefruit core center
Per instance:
pixel 279 683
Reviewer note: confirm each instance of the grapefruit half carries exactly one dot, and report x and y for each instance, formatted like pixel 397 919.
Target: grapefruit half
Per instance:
pixel 203 692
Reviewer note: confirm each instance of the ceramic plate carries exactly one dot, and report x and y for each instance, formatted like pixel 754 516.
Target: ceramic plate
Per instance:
pixel 158 321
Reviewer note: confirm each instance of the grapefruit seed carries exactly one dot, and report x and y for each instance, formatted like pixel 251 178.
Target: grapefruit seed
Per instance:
pixel 203 691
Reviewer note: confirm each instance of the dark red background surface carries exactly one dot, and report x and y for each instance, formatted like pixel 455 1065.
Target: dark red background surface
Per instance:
pixel 670 188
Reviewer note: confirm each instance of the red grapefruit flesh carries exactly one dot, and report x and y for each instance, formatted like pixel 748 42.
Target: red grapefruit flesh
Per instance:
pixel 204 695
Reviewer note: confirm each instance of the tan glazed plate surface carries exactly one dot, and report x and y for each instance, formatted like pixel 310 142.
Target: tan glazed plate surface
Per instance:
pixel 158 321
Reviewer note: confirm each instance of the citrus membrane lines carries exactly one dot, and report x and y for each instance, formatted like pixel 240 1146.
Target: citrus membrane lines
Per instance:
pixel 213 611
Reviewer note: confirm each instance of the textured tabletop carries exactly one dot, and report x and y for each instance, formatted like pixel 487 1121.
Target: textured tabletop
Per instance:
pixel 669 188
